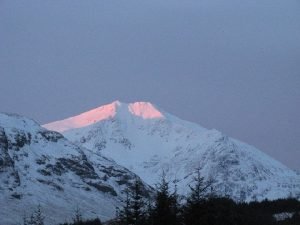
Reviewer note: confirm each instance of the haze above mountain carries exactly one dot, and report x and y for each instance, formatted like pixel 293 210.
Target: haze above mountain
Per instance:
pixel 231 65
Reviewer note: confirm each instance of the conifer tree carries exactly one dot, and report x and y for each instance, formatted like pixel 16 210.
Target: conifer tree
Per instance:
pixel 133 212
pixel 36 218
pixel 165 207
pixel 200 190
pixel 124 215
pixel 194 207
pixel 77 219
pixel 176 207
pixel 138 204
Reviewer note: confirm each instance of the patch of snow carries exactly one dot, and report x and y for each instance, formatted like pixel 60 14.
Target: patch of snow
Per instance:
pixel 145 110
pixel 283 216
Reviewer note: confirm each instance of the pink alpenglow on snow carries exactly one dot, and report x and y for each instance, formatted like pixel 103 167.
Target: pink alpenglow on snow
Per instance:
pixel 145 110
pixel 84 119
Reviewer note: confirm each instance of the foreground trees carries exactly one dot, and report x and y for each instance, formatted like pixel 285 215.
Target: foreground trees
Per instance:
pixel 134 211
pixel 36 218
pixel 200 207
pixel 166 206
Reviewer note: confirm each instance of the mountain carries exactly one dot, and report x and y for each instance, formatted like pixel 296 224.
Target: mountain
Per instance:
pixel 148 141
pixel 41 167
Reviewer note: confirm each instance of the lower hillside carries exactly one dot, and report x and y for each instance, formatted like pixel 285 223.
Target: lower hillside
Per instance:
pixel 201 207
pixel 41 167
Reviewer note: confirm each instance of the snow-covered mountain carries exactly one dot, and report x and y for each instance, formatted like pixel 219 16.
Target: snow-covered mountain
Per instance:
pixel 38 166
pixel 147 141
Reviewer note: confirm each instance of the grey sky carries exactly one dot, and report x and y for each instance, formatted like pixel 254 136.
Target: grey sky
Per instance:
pixel 232 65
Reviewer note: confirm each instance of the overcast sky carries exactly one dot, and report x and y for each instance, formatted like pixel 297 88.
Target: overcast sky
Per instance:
pixel 231 65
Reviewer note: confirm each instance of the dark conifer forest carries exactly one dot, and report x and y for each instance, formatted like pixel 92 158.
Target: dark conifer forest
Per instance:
pixel 200 207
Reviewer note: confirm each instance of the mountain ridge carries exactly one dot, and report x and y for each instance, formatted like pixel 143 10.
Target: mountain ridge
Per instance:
pixel 144 110
pixel 41 167
pixel 149 146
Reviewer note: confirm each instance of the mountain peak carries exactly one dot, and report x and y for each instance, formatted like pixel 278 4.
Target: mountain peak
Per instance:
pixel 144 110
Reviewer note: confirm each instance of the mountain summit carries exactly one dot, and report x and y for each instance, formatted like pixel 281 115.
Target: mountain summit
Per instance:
pixel 149 141
pixel 144 110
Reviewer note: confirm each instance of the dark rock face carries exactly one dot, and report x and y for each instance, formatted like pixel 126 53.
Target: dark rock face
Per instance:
pixel 18 139
pixel 122 177
pixel 51 169
pixel 3 139
pixel 11 178
pixel 5 160
pixel 99 146
pixel 103 188
pixel 79 166
pixel 51 135
pixel 57 169
pixel 22 139
pixel 51 183
pixel 42 160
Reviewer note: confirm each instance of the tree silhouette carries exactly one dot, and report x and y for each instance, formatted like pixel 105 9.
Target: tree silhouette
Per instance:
pixel 165 209
pixel 133 212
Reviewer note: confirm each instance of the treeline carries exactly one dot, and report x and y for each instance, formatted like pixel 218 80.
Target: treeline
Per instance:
pixel 38 218
pixel 201 207
pixel 85 222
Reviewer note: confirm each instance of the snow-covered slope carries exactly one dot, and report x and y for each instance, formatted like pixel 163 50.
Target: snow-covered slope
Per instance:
pixel 147 141
pixel 38 166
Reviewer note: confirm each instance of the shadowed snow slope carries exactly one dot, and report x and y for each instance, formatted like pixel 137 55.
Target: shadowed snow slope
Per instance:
pixel 148 141
pixel 38 166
